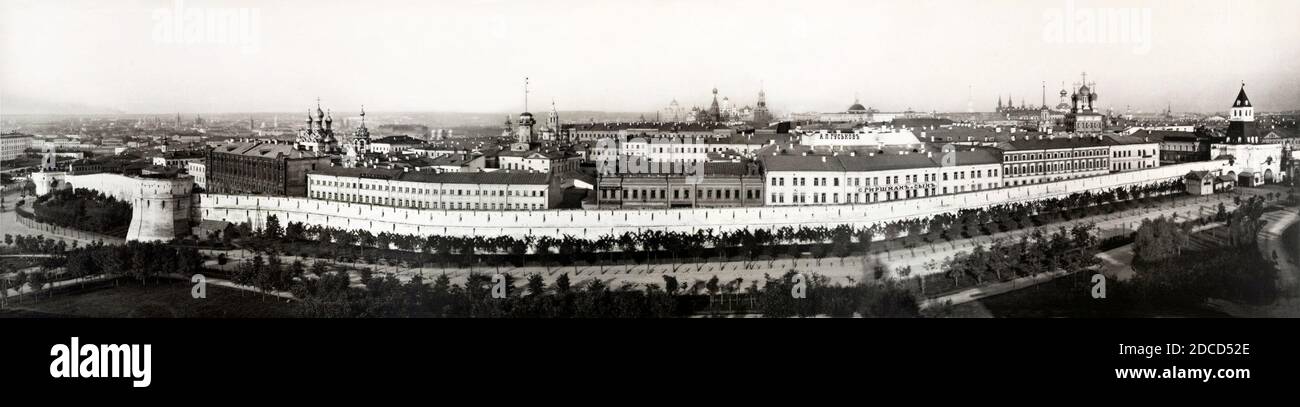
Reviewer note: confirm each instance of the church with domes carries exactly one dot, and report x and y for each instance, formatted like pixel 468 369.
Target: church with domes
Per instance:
pixel 318 136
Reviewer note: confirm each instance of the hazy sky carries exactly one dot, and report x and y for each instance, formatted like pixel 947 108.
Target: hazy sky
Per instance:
pixel 472 56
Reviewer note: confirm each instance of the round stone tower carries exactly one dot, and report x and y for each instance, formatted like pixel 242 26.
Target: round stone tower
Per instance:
pixel 160 209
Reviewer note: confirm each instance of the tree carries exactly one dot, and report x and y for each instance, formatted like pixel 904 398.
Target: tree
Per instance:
pixel 19 281
pixel 272 229
pixel 561 284
pixel 712 287
pixel 536 286
pixel 294 232
pixel 36 281
pixel 1160 238
pixel 318 268
pixel 670 284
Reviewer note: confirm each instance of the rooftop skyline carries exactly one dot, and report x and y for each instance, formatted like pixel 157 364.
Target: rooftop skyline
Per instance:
pixel 168 56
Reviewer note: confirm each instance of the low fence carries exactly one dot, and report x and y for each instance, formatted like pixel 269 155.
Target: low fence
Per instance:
pixel 28 220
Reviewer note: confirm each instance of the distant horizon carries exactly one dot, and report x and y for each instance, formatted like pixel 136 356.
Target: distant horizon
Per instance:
pixel 190 115
pixel 210 56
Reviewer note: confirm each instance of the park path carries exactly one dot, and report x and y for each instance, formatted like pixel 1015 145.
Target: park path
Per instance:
pixel 1270 241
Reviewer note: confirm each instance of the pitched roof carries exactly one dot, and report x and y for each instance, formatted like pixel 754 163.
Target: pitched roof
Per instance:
pixel 397 140
pixel 1196 175
pixel 1242 100
pixel 1055 143
pixel 265 150
pixel 879 162
pixel 1126 140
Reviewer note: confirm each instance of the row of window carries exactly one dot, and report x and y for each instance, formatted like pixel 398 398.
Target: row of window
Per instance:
pixel 1126 166
pixel 418 204
pixel 1132 153
pixel 1054 155
pixel 889 180
pixel 427 191
pixel 659 193
pixel 870 197
pixel 1074 165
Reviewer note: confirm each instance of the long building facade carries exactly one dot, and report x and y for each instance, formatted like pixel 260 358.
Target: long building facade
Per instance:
pixel 867 178
pixel 496 191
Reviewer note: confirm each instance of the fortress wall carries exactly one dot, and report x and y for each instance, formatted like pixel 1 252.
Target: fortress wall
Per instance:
pixel 160 208
pixel 594 223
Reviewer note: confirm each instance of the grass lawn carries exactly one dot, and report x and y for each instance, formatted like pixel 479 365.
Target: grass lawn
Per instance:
pixel 1069 297
pixel 165 299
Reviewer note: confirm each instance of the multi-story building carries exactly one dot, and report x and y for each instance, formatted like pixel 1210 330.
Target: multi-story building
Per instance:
pixel 1033 159
pixel 199 172
pixel 857 137
pixel 731 184
pixel 262 168
pixel 1129 153
pixel 12 145
pixel 538 160
pixel 178 159
pixel 1179 147
pixel 394 144
pixel 855 177
pixel 432 190
pixel 452 163
pixel 612 151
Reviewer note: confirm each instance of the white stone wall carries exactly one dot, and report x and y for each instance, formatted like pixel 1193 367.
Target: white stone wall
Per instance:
pixel 1264 159
pixel 160 208
pixel 594 223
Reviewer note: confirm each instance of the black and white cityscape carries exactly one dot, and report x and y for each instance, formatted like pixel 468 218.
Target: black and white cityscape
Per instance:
pixel 649 159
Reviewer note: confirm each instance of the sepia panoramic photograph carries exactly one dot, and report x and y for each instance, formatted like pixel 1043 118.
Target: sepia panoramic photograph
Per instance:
pixel 649 159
